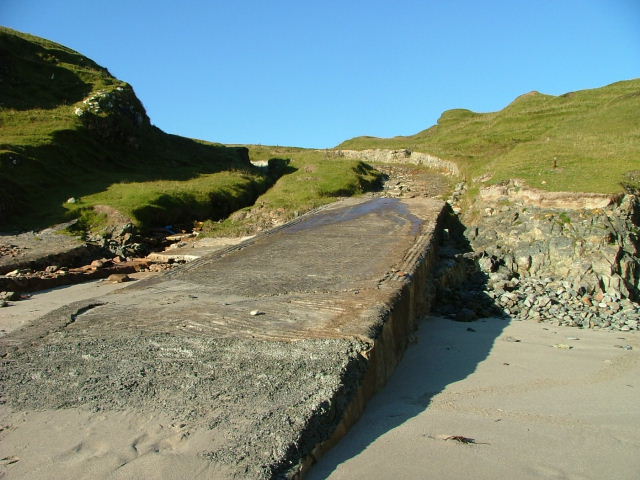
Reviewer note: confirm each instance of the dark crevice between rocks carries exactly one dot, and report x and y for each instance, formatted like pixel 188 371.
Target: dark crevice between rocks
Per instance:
pixel 461 291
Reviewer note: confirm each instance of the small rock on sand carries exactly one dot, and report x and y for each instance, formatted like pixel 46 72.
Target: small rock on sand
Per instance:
pixel 118 278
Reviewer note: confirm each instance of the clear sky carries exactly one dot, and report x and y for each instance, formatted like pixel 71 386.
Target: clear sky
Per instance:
pixel 315 73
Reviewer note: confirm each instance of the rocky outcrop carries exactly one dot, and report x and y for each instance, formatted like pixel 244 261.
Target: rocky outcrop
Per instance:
pixel 516 191
pixel 114 114
pixel 401 156
pixel 567 268
pixel 595 251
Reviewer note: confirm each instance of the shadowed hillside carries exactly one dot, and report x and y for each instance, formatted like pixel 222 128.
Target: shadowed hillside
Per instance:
pixel 70 129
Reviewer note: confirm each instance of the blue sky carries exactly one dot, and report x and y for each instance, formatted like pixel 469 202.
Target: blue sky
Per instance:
pixel 315 73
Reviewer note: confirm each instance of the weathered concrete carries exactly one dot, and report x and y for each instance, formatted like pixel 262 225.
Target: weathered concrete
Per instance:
pixel 272 347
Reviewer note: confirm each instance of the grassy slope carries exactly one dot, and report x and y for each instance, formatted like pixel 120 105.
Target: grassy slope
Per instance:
pixel 315 178
pixel 48 153
pixel 111 155
pixel 593 136
pixel 312 178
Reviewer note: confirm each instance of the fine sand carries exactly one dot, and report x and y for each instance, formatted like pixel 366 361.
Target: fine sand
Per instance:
pixel 532 409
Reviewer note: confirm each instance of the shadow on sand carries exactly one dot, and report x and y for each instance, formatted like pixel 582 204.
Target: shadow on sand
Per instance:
pixel 446 352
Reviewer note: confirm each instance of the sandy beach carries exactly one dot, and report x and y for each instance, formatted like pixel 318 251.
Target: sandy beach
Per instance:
pixel 524 399
pixel 534 410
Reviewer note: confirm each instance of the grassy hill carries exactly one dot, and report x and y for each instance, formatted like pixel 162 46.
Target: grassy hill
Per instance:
pixel 68 128
pixel 310 179
pixel 580 141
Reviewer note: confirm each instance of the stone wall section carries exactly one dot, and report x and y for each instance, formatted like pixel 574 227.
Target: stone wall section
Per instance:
pixel 378 155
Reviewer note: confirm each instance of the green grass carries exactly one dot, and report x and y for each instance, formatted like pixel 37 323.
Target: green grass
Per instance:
pixel 581 141
pixel 314 178
pixel 169 202
pixel 70 129
pixel 49 153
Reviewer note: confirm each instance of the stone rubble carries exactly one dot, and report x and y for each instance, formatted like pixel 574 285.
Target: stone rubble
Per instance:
pixel 465 293
pixel 557 302
pixel 595 250
pixel 27 280
pixel 407 181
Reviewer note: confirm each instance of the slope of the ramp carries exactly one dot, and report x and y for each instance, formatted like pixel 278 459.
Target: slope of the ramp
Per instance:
pixel 268 349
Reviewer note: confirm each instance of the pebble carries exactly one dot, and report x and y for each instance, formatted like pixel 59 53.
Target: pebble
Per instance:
pixel 256 312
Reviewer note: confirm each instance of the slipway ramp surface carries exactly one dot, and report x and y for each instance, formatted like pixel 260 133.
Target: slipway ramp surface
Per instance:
pixel 257 358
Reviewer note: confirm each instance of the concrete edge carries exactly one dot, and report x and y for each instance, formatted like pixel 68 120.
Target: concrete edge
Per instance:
pixel 410 303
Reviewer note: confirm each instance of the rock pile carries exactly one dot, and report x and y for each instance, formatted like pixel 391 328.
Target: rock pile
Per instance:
pixel 28 280
pixel 495 280
pixel 556 301
pixel 595 251
pixel 10 250
pixel 122 238
pixel 465 296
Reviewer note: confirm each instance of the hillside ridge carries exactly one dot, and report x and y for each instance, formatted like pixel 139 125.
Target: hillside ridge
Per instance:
pixel 76 142
pixel 586 140
pixel 70 129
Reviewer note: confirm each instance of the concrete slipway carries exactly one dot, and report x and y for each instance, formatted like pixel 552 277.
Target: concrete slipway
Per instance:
pixel 267 351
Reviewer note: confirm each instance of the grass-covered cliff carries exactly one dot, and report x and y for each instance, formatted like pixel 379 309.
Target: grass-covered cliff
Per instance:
pixel 580 141
pixel 69 129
